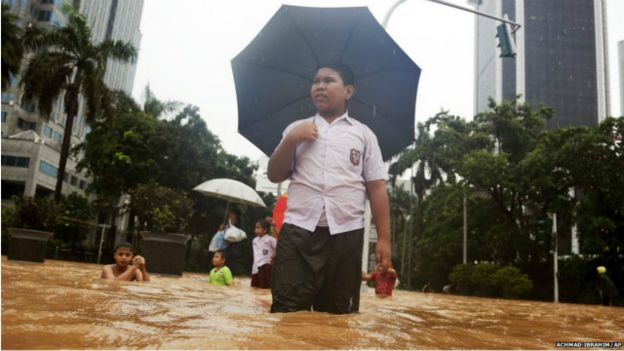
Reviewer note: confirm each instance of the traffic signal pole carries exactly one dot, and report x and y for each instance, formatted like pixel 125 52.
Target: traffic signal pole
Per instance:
pixel 515 26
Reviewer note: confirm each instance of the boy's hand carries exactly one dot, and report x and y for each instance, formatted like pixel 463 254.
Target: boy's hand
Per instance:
pixel 138 261
pixel 304 131
pixel 383 254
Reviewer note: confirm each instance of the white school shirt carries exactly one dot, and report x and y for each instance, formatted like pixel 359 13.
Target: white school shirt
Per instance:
pixel 263 250
pixel 329 175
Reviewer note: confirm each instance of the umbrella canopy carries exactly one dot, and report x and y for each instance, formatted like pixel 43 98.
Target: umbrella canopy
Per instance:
pixel 230 190
pixel 273 75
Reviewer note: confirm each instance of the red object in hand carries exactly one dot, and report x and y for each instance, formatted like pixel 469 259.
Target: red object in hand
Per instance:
pixel 278 213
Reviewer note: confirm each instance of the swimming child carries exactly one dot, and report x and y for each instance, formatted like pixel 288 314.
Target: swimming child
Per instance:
pixel 126 267
pixel 263 250
pixel 220 274
pixel 384 281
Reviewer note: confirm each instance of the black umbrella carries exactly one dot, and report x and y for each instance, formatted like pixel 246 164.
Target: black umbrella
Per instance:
pixel 274 72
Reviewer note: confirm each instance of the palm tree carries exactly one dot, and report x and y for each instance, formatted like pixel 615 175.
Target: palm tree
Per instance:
pixel 12 49
pixel 68 64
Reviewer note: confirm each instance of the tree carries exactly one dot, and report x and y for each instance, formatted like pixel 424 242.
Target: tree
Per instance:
pixel 12 46
pixel 72 66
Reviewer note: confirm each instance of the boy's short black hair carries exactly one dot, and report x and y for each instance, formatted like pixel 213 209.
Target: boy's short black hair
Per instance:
pixel 124 244
pixel 222 253
pixel 346 73
pixel 264 224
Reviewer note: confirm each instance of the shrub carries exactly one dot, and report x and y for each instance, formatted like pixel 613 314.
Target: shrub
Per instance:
pixel 511 282
pixel 461 276
pixel 35 213
pixel 481 278
pixel 490 280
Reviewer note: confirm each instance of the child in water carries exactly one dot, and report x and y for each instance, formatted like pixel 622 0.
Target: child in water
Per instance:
pixel 220 274
pixel 384 281
pixel 263 250
pixel 126 267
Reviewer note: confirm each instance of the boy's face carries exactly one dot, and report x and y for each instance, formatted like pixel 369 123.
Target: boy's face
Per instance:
pixel 328 92
pixel 217 260
pixel 123 256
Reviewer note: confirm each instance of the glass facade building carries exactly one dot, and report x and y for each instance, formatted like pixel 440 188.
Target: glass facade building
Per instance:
pixel 561 58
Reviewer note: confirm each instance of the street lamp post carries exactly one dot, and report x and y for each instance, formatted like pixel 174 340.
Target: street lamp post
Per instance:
pixel 515 25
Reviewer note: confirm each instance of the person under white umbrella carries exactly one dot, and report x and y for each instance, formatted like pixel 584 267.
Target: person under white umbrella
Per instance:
pixel 232 191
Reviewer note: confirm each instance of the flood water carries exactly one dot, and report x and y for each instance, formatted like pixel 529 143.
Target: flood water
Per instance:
pixel 65 305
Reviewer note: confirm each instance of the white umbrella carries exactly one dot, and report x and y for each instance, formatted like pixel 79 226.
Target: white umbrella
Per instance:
pixel 230 190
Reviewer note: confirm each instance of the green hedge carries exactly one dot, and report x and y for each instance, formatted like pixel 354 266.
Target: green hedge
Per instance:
pixel 490 280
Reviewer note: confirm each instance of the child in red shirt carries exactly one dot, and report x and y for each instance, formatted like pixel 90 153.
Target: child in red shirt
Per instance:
pixel 384 282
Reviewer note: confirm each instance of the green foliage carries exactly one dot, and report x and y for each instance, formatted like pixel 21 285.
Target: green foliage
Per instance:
pixel 490 280
pixel 12 46
pixel 36 213
pixel 515 174
pixel 8 221
pixel 511 282
pixel 74 225
pixel 461 276
pixel 577 280
pixel 161 209
pixel 121 153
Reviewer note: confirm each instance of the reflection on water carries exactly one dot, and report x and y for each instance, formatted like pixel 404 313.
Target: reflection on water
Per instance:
pixel 65 305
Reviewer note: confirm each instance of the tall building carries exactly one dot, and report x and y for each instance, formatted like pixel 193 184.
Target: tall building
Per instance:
pixel 621 61
pixel 561 59
pixel 30 144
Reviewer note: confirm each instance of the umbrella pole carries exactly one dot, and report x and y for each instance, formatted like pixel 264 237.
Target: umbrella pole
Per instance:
pixel 227 208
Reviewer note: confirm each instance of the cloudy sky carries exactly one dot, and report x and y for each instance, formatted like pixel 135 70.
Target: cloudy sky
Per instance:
pixel 187 46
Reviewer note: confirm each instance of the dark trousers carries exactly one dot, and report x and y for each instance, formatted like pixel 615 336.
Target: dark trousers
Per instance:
pixel 317 271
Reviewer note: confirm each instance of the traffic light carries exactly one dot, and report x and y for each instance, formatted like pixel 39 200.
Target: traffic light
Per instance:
pixel 505 40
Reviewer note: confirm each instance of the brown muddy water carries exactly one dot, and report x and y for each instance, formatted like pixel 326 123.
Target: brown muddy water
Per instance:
pixel 65 305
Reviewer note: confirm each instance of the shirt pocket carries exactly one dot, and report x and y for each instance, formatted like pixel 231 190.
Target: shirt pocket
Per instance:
pixel 348 159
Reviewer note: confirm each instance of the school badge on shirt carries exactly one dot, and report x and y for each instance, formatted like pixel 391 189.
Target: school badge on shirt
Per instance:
pixel 355 157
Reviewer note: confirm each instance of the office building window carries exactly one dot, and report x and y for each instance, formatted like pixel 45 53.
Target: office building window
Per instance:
pixel 48 169
pixel 47 2
pixel 74 181
pixel 47 131
pixel 83 184
pixel 15 161
pixel 4 114
pixel 8 98
pixel 66 178
pixel 44 16
pixel 23 124
pixel 57 137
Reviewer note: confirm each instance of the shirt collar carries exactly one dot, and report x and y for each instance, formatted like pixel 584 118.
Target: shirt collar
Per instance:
pixel 344 116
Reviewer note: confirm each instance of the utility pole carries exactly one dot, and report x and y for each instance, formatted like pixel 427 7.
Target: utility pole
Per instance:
pixel 555 260
pixel 465 229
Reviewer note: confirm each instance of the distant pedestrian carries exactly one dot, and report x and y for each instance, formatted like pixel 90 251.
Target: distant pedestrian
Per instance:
pixel 606 289
pixel 263 253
